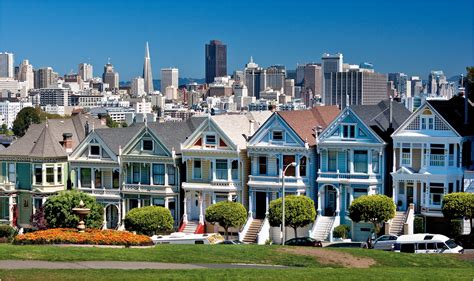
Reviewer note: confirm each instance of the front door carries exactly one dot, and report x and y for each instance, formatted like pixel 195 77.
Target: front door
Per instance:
pixel 330 209
pixel 260 204
pixel 111 213
pixel 194 205
pixel 409 194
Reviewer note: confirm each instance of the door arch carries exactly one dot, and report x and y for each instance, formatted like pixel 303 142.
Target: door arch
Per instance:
pixel 112 216
pixel 330 204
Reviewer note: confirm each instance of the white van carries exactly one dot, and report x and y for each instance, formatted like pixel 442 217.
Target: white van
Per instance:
pixel 426 243
pixel 183 238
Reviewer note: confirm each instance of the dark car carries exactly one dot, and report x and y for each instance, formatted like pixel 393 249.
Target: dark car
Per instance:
pixel 231 242
pixel 304 241
pixel 347 245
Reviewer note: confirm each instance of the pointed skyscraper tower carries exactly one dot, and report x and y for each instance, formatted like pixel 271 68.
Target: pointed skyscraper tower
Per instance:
pixel 147 76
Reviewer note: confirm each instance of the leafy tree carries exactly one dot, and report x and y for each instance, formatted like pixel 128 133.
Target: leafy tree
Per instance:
pixel 226 214
pixel 123 124
pixel 149 220
pixel 459 205
pixel 58 210
pixel 24 118
pixel 299 212
pixel 372 208
pixel 110 123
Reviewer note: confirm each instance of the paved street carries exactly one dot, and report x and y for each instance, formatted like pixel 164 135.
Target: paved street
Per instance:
pixel 22 264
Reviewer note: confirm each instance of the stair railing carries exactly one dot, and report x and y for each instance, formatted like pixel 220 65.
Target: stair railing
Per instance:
pixel 409 219
pixel 264 232
pixel 246 227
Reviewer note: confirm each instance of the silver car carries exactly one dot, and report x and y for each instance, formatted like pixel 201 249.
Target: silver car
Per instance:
pixel 385 242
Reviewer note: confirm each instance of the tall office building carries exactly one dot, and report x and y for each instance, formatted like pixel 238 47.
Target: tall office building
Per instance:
pixel 147 75
pixel 86 71
pixel 399 82
pixel 7 70
pixel 137 88
pixel 330 64
pixel 275 76
pixel 254 79
pixel 435 81
pixel 110 77
pixel 289 88
pixel 299 74
pixel 356 87
pixel 25 74
pixel 169 77
pixel 216 60
pixel 45 77
pixel 313 79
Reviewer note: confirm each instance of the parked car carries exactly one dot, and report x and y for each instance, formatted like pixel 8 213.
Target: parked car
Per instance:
pixel 385 242
pixel 231 242
pixel 304 241
pixel 348 245
pixel 182 238
pixel 425 243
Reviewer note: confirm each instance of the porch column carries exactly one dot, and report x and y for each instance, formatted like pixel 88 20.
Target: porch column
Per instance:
pixel 395 192
pixel 201 210
pixel 394 168
pixel 166 174
pixel 351 160
pixel 351 195
pixel 10 209
pixel 167 202
pixel 297 167
pixel 250 203
pixel 185 207
pixel 266 203
pixel 92 178
pixel 319 201
pixel 124 211
pixel 229 169
pixel 151 174
pixel 338 203
pixel 78 176
pixel 105 218
pixel 369 161
pixel 43 174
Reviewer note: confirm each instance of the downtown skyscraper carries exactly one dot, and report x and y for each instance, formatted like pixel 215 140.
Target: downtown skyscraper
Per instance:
pixel 147 75
pixel 216 60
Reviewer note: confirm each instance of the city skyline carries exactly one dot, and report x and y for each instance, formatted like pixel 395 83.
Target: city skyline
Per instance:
pixel 438 40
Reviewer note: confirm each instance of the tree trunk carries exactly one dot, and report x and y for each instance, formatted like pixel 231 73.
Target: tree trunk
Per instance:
pixel 226 233
pixel 296 231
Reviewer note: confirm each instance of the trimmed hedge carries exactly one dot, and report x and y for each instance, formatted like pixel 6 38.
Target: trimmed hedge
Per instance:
pixel 149 220
pixel 341 231
pixel 7 232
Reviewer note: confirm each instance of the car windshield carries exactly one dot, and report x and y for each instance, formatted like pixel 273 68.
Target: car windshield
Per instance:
pixel 451 244
pixel 310 239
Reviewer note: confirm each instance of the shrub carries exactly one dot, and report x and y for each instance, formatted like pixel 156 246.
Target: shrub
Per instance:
pixel 459 205
pixel 37 219
pixel 90 236
pixel 341 231
pixel 299 212
pixel 455 228
pixel 419 224
pixel 149 220
pixel 372 208
pixel 7 231
pixel 226 214
pixel 58 210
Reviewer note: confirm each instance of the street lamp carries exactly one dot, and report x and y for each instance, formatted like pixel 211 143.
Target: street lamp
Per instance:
pixel 292 164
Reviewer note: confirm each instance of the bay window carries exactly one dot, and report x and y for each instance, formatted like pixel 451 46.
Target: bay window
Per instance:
pixel 135 172
pixel 332 161
pixel 235 169
pixel 221 169
pixel 436 193
pixel 38 174
pixel 303 166
pixel 159 174
pixel 145 174
pixel 375 162
pixel 171 175
pixel 12 172
pixel 4 208
pixel 290 170
pixel 262 165
pixel 197 169
pixel 360 161
pixel 85 177
pixel 59 175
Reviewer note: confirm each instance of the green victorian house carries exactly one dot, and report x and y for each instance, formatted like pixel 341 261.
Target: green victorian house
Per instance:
pixel 36 166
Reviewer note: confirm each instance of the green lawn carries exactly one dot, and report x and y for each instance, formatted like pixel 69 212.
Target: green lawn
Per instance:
pixel 244 274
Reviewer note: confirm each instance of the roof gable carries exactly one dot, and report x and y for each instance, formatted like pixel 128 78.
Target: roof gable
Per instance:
pixel 265 134
pixel 136 146
pixel 82 150
pixel 197 140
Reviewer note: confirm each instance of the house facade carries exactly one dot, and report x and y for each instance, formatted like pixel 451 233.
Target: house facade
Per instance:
pixel 433 154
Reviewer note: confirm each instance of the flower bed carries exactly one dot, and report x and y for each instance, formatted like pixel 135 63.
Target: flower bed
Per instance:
pixel 90 237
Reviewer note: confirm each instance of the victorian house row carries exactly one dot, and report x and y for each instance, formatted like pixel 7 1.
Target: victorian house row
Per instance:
pixel 329 155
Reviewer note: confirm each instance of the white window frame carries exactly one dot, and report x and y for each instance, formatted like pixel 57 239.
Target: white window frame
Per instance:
pixel 425 122
pixel 206 144
pixel 408 163
pixel 200 168
pixel 354 126
pixel 12 179
pixel 282 136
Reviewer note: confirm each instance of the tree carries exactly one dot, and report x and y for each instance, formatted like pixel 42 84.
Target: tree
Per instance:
pixel 123 124
pixel 149 220
pixel 58 210
pixel 110 122
pixel 459 205
pixel 226 214
pixel 372 208
pixel 299 212
pixel 24 118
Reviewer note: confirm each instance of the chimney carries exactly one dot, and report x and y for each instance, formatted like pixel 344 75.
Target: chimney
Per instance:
pixel 86 129
pixel 67 142
pixel 251 127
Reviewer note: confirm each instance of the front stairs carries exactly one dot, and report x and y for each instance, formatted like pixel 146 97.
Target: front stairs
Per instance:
pixel 252 232
pixel 323 228
pixel 191 227
pixel 396 226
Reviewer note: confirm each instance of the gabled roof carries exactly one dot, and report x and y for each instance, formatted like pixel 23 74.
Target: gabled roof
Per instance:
pixel 115 138
pixel 377 116
pixel 303 122
pixel 453 111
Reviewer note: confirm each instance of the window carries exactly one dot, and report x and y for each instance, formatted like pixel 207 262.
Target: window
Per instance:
pixel 94 150
pixel 147 145
pixel 262 165
pixel 59 175
pixel 132 204
pixel 85 177
pixel 421 246
pixel 115 179
pixel 159 174
pixel 221 197
pixel 159 202
pixel 4 208
pixel 171 175
pixel 303 166
pixel 332 161
pixel 221 169
pixel 145 174
pixel 436 193
pixel 12 172
pixel 437 155
pixel 197 169
pixel 406 156
pixel 235 169
pixel 37 203
pixel 98 179
pixel 50 175
pixel 431 246
pixel 427 123
pixel 211 140
pixel 360 161
pixel 287 160
pixel 375 162
pixel 135 172
pixel 407 248
pixel 348 131
pixel 277 135
pixel 38 174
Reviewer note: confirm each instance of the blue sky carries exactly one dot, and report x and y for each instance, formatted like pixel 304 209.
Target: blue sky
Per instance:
pixel 408 36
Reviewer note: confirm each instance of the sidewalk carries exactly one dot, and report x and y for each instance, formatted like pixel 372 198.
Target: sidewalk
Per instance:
pixel 23 264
